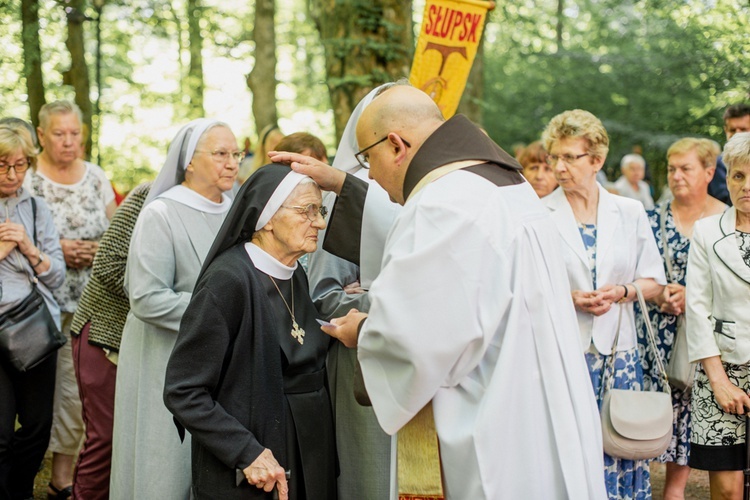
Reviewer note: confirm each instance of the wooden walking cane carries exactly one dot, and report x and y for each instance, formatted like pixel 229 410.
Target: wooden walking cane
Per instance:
pixel 746 490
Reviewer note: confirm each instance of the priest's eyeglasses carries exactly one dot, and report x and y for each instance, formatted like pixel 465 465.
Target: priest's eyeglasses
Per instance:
pixel 221 156
pixel 362 158
pixel 19 167
pixel 566 158
pixel 310 211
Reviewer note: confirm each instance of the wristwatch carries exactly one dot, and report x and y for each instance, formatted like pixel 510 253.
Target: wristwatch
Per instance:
pixel 41 259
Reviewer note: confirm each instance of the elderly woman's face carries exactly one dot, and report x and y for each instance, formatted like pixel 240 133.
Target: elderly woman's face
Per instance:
pixel 12 180
pixel 291 228
pixel 574 168
pixel 213 167
pixel 61 140
pixel 634 172
pixel 738 183
pixel 541 177
pixel 686 175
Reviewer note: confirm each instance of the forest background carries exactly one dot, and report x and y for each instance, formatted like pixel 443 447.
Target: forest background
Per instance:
pixel 652 70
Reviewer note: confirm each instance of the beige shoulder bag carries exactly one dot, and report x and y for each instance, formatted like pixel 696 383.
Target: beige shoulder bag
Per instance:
pixel 636 425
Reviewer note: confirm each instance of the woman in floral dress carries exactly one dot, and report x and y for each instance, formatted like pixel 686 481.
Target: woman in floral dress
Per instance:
pixel 82 201
pixel 691 164
pixel 608 248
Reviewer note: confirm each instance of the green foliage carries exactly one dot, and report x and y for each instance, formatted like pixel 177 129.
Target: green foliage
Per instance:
pixel 301 60
pixel 652 71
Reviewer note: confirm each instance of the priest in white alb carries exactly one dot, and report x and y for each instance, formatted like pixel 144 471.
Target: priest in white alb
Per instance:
pixel 471 313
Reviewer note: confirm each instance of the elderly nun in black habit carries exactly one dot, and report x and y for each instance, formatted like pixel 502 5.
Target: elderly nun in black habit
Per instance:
pixel 247 374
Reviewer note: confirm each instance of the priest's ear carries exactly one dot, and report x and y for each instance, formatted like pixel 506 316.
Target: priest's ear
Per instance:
pixel 398 142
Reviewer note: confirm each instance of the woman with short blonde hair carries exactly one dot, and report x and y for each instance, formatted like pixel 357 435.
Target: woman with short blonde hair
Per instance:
pixel 690 168
pixel 608 247
pixel 29 250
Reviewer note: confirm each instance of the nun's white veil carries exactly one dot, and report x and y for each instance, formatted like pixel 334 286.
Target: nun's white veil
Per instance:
pixel 379 211
pixel 181 151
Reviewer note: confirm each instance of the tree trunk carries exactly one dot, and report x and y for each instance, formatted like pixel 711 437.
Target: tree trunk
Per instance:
pixel 180 106
pixel 78 74
pixel 366 43
pixel 559 27
pixel 262 79
pixel 32 58
pixel 194 79
pixel 471 103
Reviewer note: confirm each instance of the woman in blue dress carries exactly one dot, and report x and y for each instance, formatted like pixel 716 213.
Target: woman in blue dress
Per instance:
pixel 608 248
pixel 691 164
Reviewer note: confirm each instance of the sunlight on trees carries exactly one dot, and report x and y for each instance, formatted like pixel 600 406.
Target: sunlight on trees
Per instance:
pixel 653 71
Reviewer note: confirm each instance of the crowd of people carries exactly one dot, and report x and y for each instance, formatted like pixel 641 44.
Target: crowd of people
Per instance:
pixel 426 317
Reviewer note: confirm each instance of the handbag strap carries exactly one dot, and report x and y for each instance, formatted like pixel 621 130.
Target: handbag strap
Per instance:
pixel 665 244
pixel 667 253
pixel 33 218
pixel 651 343
pixel 651 336
pixel 32 277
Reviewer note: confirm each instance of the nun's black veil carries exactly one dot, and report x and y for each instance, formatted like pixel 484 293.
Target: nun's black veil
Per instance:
pixel 247 207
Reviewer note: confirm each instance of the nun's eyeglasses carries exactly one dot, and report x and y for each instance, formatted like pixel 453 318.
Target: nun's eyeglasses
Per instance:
pixel 310 211
pixel 222 157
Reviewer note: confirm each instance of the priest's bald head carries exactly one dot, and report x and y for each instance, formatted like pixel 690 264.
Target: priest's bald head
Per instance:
pixel 390 132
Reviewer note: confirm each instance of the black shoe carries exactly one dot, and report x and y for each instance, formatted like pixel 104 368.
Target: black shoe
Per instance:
pixel 59 494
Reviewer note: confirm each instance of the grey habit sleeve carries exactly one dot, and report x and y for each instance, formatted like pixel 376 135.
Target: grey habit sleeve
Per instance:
pixel 151 272
pixel 328 275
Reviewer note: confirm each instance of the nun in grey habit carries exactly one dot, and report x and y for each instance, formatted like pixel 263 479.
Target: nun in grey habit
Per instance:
pixel 182 214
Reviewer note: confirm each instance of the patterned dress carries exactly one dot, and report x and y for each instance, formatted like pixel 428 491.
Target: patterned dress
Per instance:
pixel 624 479
pixel 743 242
pixel 718 437
pixel 80 212
pixel 665 327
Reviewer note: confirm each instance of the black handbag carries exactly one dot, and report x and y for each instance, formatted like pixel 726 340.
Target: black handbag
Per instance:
pixel 28 333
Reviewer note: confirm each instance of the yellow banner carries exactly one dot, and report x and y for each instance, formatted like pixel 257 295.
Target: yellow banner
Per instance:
pixel 448 41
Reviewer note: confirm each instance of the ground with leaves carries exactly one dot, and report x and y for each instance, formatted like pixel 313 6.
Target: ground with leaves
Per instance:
pixel 697 485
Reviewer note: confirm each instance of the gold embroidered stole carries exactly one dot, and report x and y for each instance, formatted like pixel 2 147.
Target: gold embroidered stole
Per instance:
pixel 418 472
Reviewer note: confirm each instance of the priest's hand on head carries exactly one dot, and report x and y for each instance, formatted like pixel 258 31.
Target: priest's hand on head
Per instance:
pixel 346 328
pixel 265 473
pixel 327 177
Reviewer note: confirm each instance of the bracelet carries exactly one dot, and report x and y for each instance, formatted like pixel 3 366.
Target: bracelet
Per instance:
pixel 626 293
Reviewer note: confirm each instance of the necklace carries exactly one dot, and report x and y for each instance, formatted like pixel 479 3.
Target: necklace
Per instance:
pixel 297 332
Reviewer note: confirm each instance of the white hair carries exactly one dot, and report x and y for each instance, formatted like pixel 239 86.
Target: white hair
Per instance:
pixel 632 158
pixel 737 150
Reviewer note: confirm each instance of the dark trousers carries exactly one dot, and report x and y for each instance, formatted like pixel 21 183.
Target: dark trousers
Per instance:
pixel 96 385
pixel 29 396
